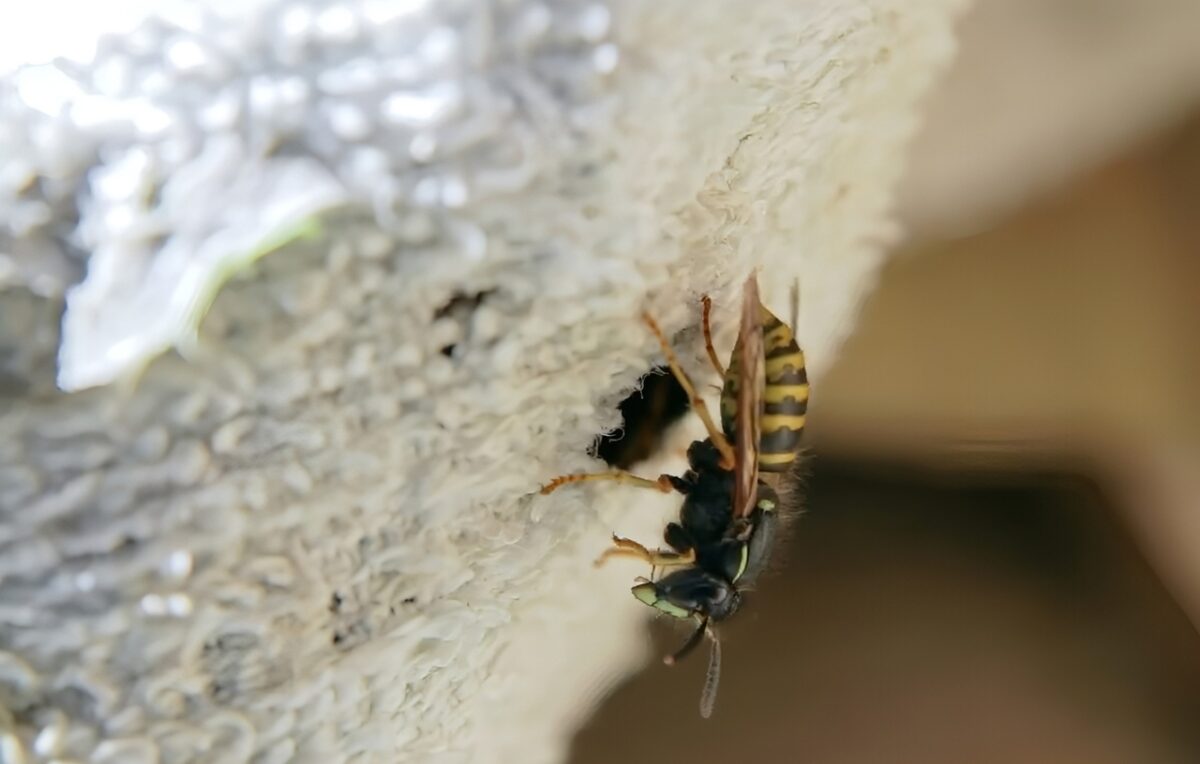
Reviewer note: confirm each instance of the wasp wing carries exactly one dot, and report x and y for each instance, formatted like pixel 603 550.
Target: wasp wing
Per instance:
pixel 752 379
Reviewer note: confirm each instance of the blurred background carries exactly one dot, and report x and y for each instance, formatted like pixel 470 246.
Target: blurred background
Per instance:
pixel 998 560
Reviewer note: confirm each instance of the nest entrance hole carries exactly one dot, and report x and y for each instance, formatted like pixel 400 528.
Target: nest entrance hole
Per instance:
pixel 646 413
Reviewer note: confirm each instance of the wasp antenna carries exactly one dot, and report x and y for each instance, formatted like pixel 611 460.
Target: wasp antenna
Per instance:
pixel 688 646
pixel 708 698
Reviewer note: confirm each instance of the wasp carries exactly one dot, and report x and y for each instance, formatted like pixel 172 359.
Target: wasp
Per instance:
pixel 731 516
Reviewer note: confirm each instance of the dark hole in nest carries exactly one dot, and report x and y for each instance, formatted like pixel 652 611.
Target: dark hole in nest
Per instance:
pixel 462 302
pixel 645 414
pixel 459 307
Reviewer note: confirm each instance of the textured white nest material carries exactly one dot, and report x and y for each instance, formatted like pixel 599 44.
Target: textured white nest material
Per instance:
pixel 318 539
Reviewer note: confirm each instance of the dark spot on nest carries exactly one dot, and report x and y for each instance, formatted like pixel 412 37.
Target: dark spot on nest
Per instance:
pixel 646 413
pixel 462 302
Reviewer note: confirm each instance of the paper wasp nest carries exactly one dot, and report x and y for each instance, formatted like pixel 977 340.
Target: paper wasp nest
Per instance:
pixel 423 233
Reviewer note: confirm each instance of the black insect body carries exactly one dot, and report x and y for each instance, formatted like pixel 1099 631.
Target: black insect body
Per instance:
pixel 730 517
pixel 728 553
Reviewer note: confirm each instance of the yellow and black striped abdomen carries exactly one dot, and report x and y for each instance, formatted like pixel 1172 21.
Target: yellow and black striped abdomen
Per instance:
pixel 785 397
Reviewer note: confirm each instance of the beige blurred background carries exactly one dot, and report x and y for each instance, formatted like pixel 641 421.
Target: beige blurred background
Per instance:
pixel 1001 557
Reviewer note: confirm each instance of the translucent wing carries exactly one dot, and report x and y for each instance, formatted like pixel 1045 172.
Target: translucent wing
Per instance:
pixel 752 379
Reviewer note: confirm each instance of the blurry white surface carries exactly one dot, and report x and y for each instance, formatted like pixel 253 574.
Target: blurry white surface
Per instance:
pixel 35 33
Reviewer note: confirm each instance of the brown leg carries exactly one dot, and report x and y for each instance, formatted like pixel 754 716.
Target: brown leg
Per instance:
pixel 662 484
pixel 708 343
pixel 714 433
pixel 659 558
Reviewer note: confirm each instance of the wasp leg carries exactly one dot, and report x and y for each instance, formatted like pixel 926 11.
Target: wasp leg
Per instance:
pixel 657 558
pixel 663 483
pixel 714 433
pixel 708 343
